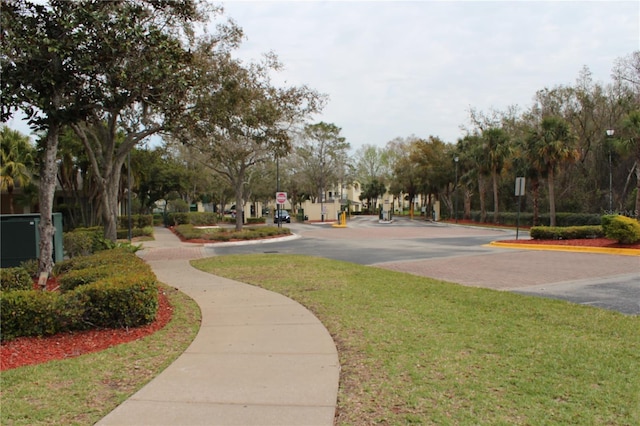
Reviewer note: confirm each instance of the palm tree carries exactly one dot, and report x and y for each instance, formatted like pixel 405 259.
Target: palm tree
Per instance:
pixel 17 156
pixel 496 147
pixel 553 147
pixel 631 141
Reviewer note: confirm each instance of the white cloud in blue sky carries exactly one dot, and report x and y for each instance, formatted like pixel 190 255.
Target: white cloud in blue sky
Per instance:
pixel 394 68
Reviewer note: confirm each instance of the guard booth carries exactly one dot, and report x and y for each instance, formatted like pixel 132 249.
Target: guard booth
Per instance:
pixel 21 238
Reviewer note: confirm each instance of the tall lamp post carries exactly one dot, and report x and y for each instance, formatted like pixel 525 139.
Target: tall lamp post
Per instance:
pixel 610 133
pixel 129 194
pixel 456 188
pixel 278 190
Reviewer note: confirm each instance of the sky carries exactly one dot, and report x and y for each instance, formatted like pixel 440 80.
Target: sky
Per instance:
pixel 401 68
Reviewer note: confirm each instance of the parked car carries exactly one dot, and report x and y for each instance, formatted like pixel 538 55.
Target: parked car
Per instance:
pixel 281 216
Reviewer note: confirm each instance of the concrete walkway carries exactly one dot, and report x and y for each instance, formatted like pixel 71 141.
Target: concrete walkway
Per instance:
pixel 258 359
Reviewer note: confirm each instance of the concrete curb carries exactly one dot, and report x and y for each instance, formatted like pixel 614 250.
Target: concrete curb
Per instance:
pixel 599 250
pixel 251 242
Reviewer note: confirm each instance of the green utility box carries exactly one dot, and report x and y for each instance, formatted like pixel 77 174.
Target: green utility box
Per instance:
pixel 21 238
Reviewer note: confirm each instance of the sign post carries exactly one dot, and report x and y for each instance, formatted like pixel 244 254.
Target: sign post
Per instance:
pixel 281 198
pixel 520 192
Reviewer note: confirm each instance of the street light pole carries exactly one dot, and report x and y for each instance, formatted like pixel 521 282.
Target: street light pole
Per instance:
pixel 278 190
pixel 610 133
pixel 129 193
pixel 456 188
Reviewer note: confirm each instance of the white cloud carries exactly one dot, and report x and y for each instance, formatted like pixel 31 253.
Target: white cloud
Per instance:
pixel 398 68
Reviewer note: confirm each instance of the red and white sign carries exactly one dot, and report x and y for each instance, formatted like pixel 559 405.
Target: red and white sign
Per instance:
pixel 281 197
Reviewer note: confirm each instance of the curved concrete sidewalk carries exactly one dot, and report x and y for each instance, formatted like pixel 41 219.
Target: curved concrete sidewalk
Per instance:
pixel 258 359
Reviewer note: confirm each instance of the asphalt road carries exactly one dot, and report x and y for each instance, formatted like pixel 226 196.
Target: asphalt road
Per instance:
pixel 460 254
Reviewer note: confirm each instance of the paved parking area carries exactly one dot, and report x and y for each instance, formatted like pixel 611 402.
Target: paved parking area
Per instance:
pixel 460 254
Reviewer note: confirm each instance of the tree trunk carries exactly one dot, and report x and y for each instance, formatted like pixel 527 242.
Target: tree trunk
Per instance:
pixel 552 198
pixel 237 187
pixel 637 212
pixel 535 191
pixel 48 173
pixel 10 199
pixel 110 211
pixel 496 201
pixel 467 204
pixel 481 193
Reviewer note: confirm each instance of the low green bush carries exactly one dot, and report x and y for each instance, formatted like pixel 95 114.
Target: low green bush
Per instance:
pixel 121 292
pixel 566 233
pixel 624 230
pixel 83 276
pixel 137 221
pixel 120 301
pixel 189 232
pixel 118 256
pixel 15 279
pixel 177 218
pixel 256 220
pixel 77 243
pixel 147 231
pixel 38 313
pixel 563 219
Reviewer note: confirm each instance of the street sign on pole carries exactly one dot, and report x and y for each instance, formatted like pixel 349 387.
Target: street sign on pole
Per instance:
pixel 519 193
pixel 520 187
pixel 281 197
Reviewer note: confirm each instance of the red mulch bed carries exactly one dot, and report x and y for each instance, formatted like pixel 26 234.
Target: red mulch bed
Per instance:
pixel 587 242
pixel 36 350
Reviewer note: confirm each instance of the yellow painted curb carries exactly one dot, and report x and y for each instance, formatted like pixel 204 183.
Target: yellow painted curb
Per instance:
pixel 576 249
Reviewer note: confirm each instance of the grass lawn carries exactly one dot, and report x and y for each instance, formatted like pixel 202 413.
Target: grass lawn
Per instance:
pixel 417 350
pixel 82 390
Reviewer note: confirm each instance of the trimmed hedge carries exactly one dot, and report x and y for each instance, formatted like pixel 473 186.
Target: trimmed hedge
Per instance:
pixel 565 233
pixel 193 218
pixel 189 232
pixel 15 279
pixel 38 313
pixel 137 221
pixel 624 230
pixel 110 289
pixel 526 219
pixel 122 234
pixel 85 241
pixel 122 301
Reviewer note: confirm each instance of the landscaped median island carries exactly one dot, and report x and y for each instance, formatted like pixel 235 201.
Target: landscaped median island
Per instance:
pixel 212 234
pixel 418 350
pixel 617 235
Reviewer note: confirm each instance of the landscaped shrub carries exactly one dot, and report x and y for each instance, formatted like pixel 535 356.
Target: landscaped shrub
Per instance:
pixel 127 297
pixel 526 218
pixel 623 229
pixel 77 243
pixel 189 232
pixel 83 276
pixel 565 233
pixel 38 313
pixel 122 234
pixel 31 266
pixel 119 256
pixel 123 301
pixel 137 221
pixel 15 279
pixel 175 219
pixel 256 220
pixel 202 218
